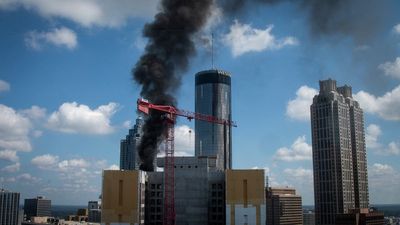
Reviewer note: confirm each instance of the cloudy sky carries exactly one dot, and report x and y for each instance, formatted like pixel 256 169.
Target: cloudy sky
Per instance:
pixel 67 96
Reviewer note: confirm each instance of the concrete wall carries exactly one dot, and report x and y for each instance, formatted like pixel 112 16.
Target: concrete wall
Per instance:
pixel 245 197
pixel 122 197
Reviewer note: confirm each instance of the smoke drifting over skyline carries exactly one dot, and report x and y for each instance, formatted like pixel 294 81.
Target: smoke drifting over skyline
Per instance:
pixel 166 57
pixel 170 45
pixel 358 19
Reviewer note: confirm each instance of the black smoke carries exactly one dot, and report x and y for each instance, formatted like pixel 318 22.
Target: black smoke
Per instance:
pixel 166 57
pixel 170 45
pixel 358 19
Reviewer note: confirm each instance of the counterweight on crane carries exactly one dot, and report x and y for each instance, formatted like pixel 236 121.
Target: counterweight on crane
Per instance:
pixel 169 174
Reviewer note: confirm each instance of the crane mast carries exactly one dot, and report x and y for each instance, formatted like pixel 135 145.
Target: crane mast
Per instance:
pixel 169 165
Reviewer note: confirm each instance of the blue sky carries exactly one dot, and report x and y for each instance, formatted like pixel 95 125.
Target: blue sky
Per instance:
pixel 67 96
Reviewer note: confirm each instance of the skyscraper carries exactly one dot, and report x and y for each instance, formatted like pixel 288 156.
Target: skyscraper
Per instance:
pixel 213 97
pixel 128 154
pixel 339 160
pixel 9 207
pixel 38 206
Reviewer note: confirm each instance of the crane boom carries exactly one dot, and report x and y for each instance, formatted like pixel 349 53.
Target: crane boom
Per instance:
pixel 169 165
pixel 145 106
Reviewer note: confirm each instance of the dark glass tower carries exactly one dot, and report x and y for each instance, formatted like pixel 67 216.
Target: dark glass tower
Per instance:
pixel 213 97
pixel 128 153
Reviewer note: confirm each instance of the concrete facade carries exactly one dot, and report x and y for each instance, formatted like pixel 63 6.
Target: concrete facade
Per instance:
pixel 283 207
pixel 123 197
pixel 199 192
pixel 9 207
pixel 339 157
pixel 245 199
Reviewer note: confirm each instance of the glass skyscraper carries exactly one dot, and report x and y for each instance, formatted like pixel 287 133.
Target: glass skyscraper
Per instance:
pixel 128 154
pixel 339 156
pixel 213 97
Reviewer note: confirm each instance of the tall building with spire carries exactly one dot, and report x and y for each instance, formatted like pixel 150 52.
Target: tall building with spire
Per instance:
pixel 129 159
pixel 339 156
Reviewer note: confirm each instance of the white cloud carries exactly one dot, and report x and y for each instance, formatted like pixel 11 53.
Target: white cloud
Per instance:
pixel 27 178
pixel 393 148
pixel 113 167
pixel 386 106
pixel 4 86
pixel 300 174
pixel 35 112
pixel 12 168
pixel 391 68
pixel 108 13
pixel 372 142
pixel 384 183
pixel 371 136
pixel 68 165
pixel 14 130
pixel 46 161
pixel 127 124
pixel 396 28
pixel 74 118
pixel 243 38
pixel 299 108
pixel 9 155
pixel 300 150
pixel 62 37
pixel 380 169
pixel 184 141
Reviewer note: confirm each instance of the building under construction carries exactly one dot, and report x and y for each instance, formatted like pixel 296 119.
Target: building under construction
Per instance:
pixel 206 190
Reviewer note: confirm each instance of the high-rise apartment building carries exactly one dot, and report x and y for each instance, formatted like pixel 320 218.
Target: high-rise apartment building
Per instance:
pixel 38 206
pixel 9 207
pixel 339 157
pixel 128 153
pixel 213 97
pixel 283 207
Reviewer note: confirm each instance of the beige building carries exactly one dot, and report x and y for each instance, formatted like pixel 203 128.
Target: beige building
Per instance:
pixel 283 207
pixel 123 197
pixel 245 199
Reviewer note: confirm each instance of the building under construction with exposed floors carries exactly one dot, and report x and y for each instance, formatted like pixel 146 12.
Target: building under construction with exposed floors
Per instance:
pixel 206 188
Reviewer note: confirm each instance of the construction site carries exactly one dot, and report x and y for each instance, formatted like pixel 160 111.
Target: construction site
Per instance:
pixel 200 189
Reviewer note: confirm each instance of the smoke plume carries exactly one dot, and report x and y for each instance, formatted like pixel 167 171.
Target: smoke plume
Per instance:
pixel 358 19
pixel 166 57
pixel 170 45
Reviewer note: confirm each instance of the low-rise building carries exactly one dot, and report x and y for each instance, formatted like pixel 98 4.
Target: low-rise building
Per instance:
pixel 283 207
pixel 360 217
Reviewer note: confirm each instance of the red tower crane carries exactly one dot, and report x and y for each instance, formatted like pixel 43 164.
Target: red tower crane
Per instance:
pixel 169 165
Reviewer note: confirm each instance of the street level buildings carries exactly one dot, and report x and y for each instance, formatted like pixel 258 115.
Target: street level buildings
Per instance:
pixel 38 207
pixel 360 217
pixel 9 207
pixel 339 157
pixel 308 217
pixel 283 207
